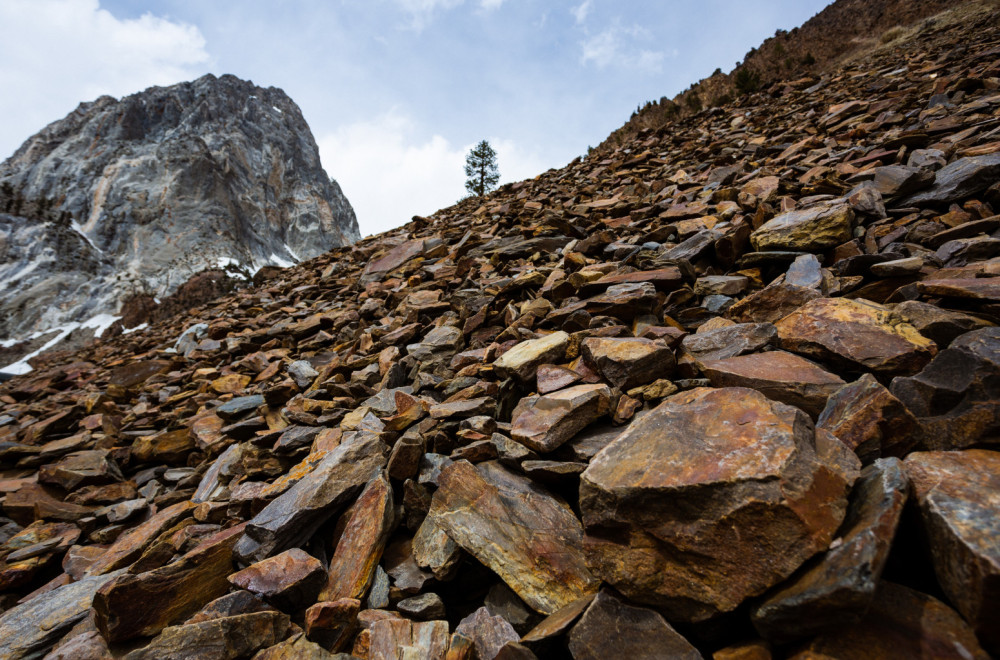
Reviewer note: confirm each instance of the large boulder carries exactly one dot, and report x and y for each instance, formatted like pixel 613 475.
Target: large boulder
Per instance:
pixel 713 497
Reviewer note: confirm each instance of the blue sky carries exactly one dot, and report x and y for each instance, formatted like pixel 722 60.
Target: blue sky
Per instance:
pixel 395 91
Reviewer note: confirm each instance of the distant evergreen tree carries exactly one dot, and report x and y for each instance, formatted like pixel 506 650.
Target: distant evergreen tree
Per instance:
pixel 481 169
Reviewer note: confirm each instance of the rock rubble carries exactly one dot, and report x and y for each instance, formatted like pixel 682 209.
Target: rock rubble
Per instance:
pixel 730 391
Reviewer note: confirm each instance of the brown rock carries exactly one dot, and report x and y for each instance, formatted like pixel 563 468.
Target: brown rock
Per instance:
pixel 546 422
pixel 868 419
pixel 855 334
pixel 955 396
pixel 144 604
pixel 296 647
pixel 361 543
pixel 227 638
pixel 524 359
pixel 130 545
pixel 958 494
pixel 628 361
pixel 753 493
pixel 524 534
pixel 392 639
pixel 612 628
pixel 779 376
pixel 901 623
pixel 292 518
pixel 837 588
pixel 332 623
pixel 291 580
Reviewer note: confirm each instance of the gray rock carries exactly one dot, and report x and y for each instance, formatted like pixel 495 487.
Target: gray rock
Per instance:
pixel 302 373
pixel 143 192
pixel 964 177
pixel 29 629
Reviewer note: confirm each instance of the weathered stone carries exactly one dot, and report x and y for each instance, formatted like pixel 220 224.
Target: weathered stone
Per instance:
pixel 723 285
pixel 868 419
pixel 777 375
pixel 434 550
pixel 524 359
pixel 167 447
pixel 360 546
pixel 837 588
pixel 291 580
pixel 805 272
pixel 424 607
pixel 963 177
pixel 901 623
pixel 771 303
pixel 488 633
pixel 227 638
pixel 975 289
pixel 627 362
pixel 939 325
pixel 713 497
pixel 82 468
pixel 815 228
pixel 130 545
pixel 612 628
pixel 955 396
pixel 729 341
pixel 958 494
pixel 559 621
pixel 28 629
pixel 141 605
pixel 546 422
pixel 855 334
pixel 232 604
pixel 525 535
pixel 296 514
pixel 393 639
pixel 332 623
pixel 302 373
pixel 296 647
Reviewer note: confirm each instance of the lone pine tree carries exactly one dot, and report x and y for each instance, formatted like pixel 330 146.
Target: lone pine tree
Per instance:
pixel 481 169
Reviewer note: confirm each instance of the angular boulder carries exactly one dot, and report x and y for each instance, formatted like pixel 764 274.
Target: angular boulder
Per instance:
pixel 955 397
pixel 527 536
pixel 713 497
pixel 810 229
pixel 627 362
pixel 958 495
pixel 868 419
pixel 855 335
pixel 837 588
pixel 778 375
pixel 544 423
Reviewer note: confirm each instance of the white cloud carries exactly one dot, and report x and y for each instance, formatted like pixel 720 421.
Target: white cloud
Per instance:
pixel 490 4
pixel 580 12
pixel 390 171
pixel 617 46
pixel 56 53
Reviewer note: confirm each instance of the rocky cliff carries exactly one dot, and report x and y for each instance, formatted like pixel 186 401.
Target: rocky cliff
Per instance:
pixel 730 391
pixel 132 196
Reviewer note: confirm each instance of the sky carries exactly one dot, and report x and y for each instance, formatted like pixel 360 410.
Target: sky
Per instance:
pixel 395 91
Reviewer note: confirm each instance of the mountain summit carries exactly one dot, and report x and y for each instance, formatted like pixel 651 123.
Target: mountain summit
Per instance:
pixel 134 196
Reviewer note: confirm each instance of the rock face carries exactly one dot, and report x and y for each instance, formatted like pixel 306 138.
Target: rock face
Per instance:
pixel 711 498
pixel 138 194
pixel 572 418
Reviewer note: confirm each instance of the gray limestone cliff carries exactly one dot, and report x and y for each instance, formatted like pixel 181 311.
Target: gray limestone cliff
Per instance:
pixel 136 195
